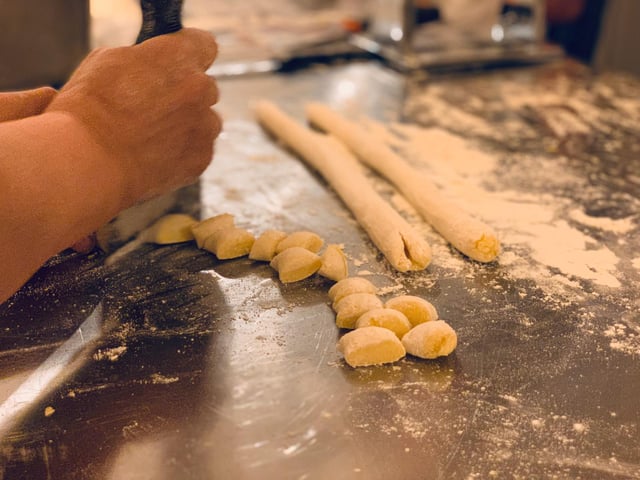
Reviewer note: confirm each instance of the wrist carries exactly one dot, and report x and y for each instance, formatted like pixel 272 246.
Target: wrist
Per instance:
pixel 100 171
pixel 61 184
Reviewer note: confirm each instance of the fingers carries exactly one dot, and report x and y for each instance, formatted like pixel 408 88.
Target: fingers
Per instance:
pixel 201 144
pixel 85 245
pixel 202 139
pixel 17 105
pixel 216 122
pixel 212 93
pixel 201 44
pixel 200 89
pixel 189 46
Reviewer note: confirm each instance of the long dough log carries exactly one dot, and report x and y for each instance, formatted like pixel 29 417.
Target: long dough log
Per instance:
pixel 403 247
pixel 469 235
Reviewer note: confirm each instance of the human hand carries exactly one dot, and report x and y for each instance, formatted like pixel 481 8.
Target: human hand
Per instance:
pixel 148 108
pixel 23 104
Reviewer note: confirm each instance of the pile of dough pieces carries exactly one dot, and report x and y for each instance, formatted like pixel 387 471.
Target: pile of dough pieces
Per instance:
pixel 386 332
pixel 381 332
pixel 294 256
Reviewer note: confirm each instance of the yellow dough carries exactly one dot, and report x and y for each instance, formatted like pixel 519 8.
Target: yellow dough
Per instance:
pixel 468 234
pixel 308 240
pixel 264 248
pixel 416 309
pixel 171 228
pixel 430 340
pixel 387 318
pixel 370 346
pixel 295 263
pixel 334 263
pixel 232 243
pixel 351 307
pixel 401 244
pixel 206 228
pixel 348 286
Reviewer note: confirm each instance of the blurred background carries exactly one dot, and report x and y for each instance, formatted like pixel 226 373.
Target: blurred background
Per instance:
pixel 42 42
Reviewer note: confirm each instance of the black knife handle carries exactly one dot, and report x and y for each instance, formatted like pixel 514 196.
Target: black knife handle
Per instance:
pixel 159 17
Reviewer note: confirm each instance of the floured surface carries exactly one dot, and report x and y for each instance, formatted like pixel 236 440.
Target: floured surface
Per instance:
pixel 216 370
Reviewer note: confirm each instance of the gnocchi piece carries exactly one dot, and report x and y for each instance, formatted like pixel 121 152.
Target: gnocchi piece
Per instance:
pixel 387 318
pixel 206 228
pixel 370 346
pixel 227 244
pixel 351 307
pixel 334 263
pixel 348 286
pixel 264 248
pixel 171 228
pixel 304 239
pixel 295 263
pixel 416 309
pixel 430 340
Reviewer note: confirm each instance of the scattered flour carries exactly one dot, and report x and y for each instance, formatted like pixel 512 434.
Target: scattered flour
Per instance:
pixel 528 223
pixel 624 225
pixel 548 235
pixel 432 104
pixel 624 338
pixel 159 379
pixel 110 354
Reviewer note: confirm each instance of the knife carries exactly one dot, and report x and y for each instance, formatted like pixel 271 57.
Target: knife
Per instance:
pixel 158 18
pixel 59 366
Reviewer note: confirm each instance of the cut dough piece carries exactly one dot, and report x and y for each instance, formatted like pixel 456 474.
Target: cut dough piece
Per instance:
pixel 334 263
pixel 348 286
pixel 468 234
pixel 402 246
pixel 227 244
pixel 308 240
pixel 208 227
pixel 370 346
pixel 295 263
pixel 351 307
pixel 387 318
pixel 171 228
pixel 416 309
pixel 264 248
pixel 430 340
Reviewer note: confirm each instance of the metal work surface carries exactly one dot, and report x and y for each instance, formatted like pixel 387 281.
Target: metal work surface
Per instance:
pixel 212 369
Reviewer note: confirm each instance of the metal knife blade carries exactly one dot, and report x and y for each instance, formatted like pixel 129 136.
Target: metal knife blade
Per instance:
pixel 58 367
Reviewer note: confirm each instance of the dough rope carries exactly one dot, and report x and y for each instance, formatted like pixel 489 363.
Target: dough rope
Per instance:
pixel 467 234
pixel 403 247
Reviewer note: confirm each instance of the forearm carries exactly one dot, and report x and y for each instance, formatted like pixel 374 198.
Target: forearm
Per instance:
pixel 56 185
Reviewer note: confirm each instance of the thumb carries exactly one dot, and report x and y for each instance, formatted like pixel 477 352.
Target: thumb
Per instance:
pixel 17 105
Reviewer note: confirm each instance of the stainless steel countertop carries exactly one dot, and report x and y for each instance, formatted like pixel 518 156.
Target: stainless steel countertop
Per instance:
pixel 214 369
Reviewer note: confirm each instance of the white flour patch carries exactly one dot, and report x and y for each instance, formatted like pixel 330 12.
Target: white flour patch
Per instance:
pixel 607 224
pixel 529 225
pixel 624 338
pixel 433 106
